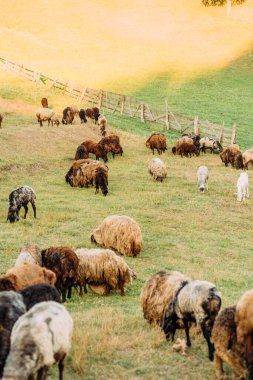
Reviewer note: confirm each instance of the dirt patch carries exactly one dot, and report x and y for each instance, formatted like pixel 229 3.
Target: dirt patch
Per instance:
pixel 30 168
pixel 16 106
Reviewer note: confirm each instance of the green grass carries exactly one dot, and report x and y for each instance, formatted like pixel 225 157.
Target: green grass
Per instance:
pixel 207 236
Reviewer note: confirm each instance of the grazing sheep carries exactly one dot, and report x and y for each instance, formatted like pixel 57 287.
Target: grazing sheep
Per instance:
pixel 81 153
pixel 157 141
pixel 29 253
pixel 68 115
pixel 157 169
pixel 232 155
pixel 102 123
pixel 243 187
pixel 202 177
pixel 18 198
pixel 55 120
pixel 158 292
pixel 227 350
pixel 40 338
pixel 121 233
pixel 101 180
pixel 11 308
pixel 1 120
pixel 96 113
pixel 74 109
pixel 90 173
pixel 111 144
pixel 90 113
pixel 103 267
pixel 247 157
pixel 64 263
pixel 73 169
pixel 195 301
pixel 44 114
pixel 187 149
pixel 82 116
pixel 24 275
pixel 39 293
pixel 95 148
pixel 44 102
pixel 208 143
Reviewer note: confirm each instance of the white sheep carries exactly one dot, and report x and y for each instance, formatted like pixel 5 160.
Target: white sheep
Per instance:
pixel 243 187
pixel 29 253
pixel 157 169
pixel 202 177
pixel 40 338
pixel 44 114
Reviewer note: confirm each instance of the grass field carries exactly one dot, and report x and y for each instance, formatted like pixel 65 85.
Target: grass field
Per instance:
pixel 207 236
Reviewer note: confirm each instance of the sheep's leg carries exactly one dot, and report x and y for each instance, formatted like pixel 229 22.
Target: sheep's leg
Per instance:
pixel 42 373
pixel 34 209
pixel 69 291
pixel 31 377
pixel 64 291
pixel 207 338
pixel 26 209
pixel 232 359
pixel 186 329
pixel 80 289
pixel 61 367
pixel 218 366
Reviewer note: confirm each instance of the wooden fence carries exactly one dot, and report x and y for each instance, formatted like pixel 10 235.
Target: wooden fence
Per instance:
pixel 126 105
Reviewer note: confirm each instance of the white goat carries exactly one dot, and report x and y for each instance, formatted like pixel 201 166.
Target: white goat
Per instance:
pixel 202 177
pixel 243 187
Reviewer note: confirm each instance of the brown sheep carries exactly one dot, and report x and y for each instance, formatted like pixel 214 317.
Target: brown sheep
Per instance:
pixel 247 157
pixel 44 102
pixel 89 113
pixel 102 123
pixel 95 148
pixel 68 115
pixel 90 173
pixel 63 261
pixel 227 350
pixel 103 267
pixel 81 153
pixel 232 155
pixel 74 109
pixel 187 149
pixel 72 171
pixel 157 141
pixel 96 113
pixel 158 292
pixel 24 275
pixel 121 233
pixel 1 119
pixel 111 145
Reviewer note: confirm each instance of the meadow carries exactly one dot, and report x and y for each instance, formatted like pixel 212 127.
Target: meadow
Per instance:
pixel 207 236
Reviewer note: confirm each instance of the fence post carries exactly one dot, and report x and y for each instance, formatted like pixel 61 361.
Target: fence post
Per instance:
pixel 65 86
pixel 122 104
pixel 167 120
pixel 82 95
pixel 221 132
pixel 100 99
pixel 196 126
pixel 142 112
pixel 233 137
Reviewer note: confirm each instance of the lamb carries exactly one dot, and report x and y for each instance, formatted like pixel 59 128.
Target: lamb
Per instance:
pixel 111 144
pixel 195 301
pixel 29 253
pixel 11 308
pixel 68 115
pixel 81 153
pixel 157 169
pixel 102 123
pixel 243 187
pixel 186 149
pixel 1 120
pixel 64 263
pixel 158 292
pixel 247 157
pixel 103 267
pixel 18 198
pixel 44 114
pixel 44 102
pixel 207 143
pixel 55 120
pixel 227 349
pixel 40 338
pixel 202 177
pixel 34 294
pixel 97 149
pixel 121 233
pixel 157 141
pixel 24 275
pixel 82 116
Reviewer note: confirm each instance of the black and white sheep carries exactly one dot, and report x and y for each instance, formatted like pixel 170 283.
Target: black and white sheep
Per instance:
pixel 212 144
pixel 40 338
pixel 195 301
pixel 202 177
pixel 18 198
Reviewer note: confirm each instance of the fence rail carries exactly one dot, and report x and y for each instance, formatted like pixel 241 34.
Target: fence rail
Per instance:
pixel 126 105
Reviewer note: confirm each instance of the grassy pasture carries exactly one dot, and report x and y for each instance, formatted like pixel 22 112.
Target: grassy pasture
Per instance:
pixel 207 236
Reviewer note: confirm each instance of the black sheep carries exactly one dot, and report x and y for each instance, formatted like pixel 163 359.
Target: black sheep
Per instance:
pixel 39 293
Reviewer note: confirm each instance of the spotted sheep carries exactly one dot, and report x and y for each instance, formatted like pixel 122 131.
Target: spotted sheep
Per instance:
pixel 18 198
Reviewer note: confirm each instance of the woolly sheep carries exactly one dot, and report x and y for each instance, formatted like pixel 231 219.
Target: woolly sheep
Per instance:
pixel 29 253
pixel 194 301
pixel 243 187
pixel 157 169
pixel 157 293
pixel 44 114
pixel 36 293
pixel 247 157
pixel 207 143
pixel 244 324
pixel 157 141
pixel 102 123
pixel 40 338
pixel 11 308
pixel 121 233
pixel 202 177
pixel 18 198
pixel 103 267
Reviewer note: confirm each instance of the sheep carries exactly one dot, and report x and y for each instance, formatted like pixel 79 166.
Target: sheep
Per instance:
pixel 208 143
pixel 101 180
pixel 102 123
pixel 195 301
pixel 44 114
pixel 39 293
pixel 157 141
pixel 111 144
pixel 68 115
pixel 18 198
pixel 157 169
pixel 157 293
pixel 40 338
pixel 74 109
pixel 64 263
pixel 90 173
pixel 1 120
pixel 29 253
pixel 55 120
pixel 11 308
pixel 186 149
pixel 95 148
pixel 24 275
pixel 81 153
pixel 227 349
pixel 247 157
pixel 232 155
pixel 243 187
pixel 73 169
pixel 90 113
pixel 44 102
pixel 119 232
pixel 202 177
pixel 103 267
pixel 82 116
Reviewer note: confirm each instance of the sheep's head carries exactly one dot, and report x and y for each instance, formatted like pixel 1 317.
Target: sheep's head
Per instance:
pixel 159 179
pixel 202 188
pixel 13 215
pixel 133 275
pixel 174 150
pixel 92 238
